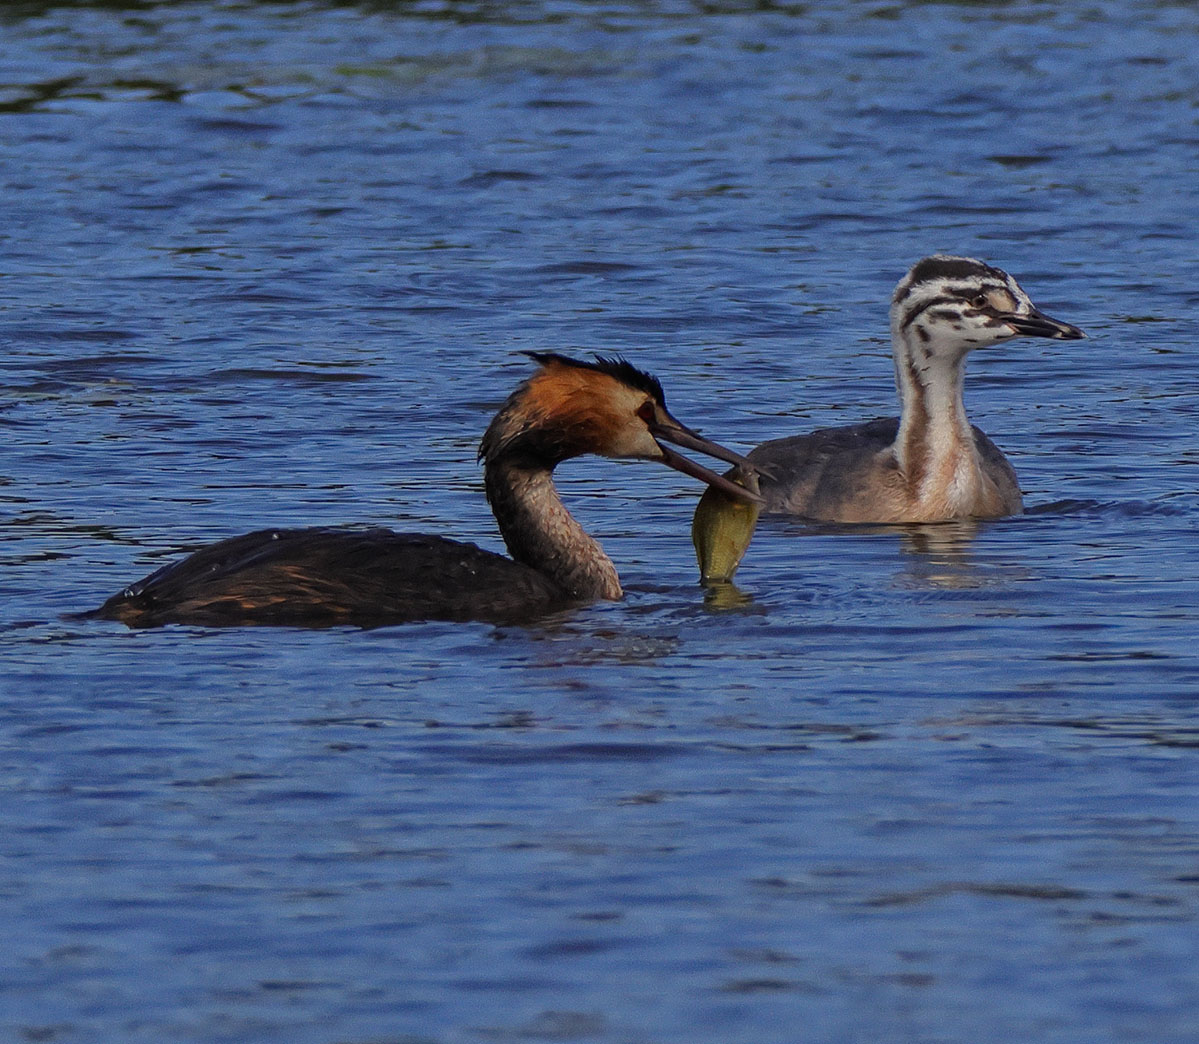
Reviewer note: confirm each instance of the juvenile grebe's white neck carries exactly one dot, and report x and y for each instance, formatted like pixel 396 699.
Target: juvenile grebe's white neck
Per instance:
pixel 935 447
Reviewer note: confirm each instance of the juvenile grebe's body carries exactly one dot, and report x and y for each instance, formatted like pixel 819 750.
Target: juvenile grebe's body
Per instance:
pixel 929 464
pixel 852 474
pixel 315 577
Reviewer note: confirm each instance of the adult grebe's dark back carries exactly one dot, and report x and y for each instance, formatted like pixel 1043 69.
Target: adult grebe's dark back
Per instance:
pixel 320 577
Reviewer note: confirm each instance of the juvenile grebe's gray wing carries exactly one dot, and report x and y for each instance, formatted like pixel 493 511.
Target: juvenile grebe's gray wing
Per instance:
pixel 799 473
pixel 845 474
pixel 324 577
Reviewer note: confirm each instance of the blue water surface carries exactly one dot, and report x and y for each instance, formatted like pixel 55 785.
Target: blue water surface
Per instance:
pixel 274 263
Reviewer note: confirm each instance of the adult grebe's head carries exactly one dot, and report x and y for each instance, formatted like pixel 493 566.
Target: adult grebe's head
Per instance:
pixel 607 407
pixel 946 306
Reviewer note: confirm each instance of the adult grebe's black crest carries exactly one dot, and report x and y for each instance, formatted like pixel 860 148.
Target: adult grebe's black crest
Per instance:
pixel 315 577
pixel 613 365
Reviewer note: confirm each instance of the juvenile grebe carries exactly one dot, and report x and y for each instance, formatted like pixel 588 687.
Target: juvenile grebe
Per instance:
pixel 929 464
pixel 315 577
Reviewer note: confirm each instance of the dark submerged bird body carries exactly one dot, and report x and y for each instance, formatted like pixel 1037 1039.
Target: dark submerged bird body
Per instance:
pixel 325 577
pixel 929 464
pixel 371 577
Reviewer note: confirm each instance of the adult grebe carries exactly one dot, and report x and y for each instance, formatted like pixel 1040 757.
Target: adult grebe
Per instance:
pixel 315 577
pixel 929 464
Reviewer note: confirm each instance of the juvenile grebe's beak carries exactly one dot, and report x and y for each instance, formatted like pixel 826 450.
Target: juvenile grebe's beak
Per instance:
pixel 680 435
pixel 1038 324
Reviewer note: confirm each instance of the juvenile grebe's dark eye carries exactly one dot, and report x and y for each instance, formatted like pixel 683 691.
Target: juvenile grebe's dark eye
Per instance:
pixel 979 300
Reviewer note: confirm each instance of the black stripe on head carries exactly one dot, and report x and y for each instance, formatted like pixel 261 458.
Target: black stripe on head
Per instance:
pixel 614 366
pixel 957 279
pixel 941 266
pixel 932 302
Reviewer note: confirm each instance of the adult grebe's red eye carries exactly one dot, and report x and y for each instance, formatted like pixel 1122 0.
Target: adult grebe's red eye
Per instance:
pixel 647 412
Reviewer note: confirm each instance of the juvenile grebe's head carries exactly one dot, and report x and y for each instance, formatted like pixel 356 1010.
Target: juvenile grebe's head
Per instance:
pixel 947 306
pixel 607 407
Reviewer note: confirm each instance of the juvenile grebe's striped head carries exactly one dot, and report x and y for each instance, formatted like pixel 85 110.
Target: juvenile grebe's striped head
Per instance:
pixel 947 306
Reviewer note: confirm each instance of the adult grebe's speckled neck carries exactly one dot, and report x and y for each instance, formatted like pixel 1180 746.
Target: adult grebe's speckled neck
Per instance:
pixel 540 532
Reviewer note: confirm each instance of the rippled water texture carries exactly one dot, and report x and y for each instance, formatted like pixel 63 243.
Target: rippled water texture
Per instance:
pixel 272 264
